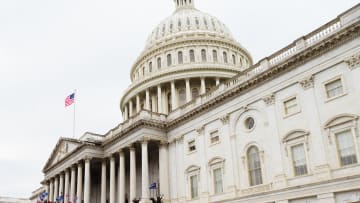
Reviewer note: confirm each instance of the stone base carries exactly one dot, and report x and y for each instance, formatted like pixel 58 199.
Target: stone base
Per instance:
pixel 145 201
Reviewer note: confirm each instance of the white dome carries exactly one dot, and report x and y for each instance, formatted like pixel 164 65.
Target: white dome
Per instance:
pixel 185 21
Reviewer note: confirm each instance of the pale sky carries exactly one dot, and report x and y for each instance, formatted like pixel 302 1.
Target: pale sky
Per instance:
pixel 48 48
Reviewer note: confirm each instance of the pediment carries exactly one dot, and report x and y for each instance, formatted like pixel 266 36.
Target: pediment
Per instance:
pixel 63 148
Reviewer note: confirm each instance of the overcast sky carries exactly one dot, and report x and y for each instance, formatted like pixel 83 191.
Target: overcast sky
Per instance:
pixel 48 48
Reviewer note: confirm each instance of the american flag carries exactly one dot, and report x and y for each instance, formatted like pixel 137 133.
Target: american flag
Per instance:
pixel 70 100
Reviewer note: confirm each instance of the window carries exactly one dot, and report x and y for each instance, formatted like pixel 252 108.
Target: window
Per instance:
pixel 192 56
pixel 233 59
pixel 192 146
pixel 296 144
pixel 214 137
pixel 346 148
pixel 194 93
pixel 203 55
pixel 215 56
pixel 159 63
pixel 254 165
pixel 143 71
pixel 291 106
pixel 182 96
pixel 299 160
pixel 249 123
pixel 194 187
pixel 180 57
pixel 218 184
pixel 342 136
pixel 169 61
pixel 225 57
pixel 169 102
pixel 334 88
pixel 150 67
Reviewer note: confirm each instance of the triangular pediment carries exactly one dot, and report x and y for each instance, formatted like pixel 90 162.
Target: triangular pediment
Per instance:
pixel 63 148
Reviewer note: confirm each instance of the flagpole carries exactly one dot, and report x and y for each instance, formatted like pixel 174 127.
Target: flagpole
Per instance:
pixel 74 121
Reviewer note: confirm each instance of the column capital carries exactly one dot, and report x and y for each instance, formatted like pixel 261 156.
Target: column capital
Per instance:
pixel 87 158
pixel 144 140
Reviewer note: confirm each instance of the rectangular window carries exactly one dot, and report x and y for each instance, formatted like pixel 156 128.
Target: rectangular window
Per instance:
pixel 218 184
pixel 299 160
pixel 194 186
pixel 214 137
pixel 192 146
pixel 334 88
pixel 346 148
pixel 291 106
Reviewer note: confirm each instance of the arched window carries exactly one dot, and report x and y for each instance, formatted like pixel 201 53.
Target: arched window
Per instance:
pixel 192 56
pixel 150 67
pixel 194 93
pixel 143 71
pixel 169 61
pixel 180 57
pixel 203 55
pixel 254 166
pixel 159 63
pixel 225 57
pixel 215 56
pixel 233 59
pixel 182 96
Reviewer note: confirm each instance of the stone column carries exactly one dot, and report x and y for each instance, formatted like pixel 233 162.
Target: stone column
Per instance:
pixel 61 185
pixel 72 184
pixel 164 171
pixel 130 108
pixel 121 177
pixel 132 174
pixel 87 181
pixel 160 110
pixel 173 96
pixel 126 113
pixel 66 190
pixel 217 81
pixel 188 91
pixel 51 191
pixel 147 100
pixel 79 197
pixel 103 181
pixel 112 179
pixel 145 171
pixel 203 86
pixel 56 189
pixel 137 104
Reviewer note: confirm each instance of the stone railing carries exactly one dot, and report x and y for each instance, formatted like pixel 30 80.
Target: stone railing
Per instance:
pixel 142 115
pixel 263 65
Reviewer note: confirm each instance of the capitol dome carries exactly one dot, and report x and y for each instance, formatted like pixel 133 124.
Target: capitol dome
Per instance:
pixel 185 56
pixel 187 20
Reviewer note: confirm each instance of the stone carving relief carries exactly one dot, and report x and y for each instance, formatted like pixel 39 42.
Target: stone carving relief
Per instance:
pixel 353 61
pixel 307 82
pixel 269 99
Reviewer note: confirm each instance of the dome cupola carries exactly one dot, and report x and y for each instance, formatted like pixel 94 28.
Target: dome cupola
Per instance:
pixel 185 56
pixel 180 4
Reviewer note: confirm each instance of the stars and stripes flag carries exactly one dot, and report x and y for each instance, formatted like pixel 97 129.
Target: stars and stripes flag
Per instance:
pixel 70 100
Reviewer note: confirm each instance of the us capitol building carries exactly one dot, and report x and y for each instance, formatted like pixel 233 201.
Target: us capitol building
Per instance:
pixel 204 123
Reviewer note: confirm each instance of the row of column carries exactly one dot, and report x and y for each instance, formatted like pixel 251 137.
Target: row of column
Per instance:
pixel 71 188
pixel 130 111
pixel 145 195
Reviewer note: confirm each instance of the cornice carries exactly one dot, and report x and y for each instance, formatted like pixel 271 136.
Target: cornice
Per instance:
pixel 160 125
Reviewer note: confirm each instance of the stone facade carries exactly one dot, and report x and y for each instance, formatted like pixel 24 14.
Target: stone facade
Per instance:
pixel 205 124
